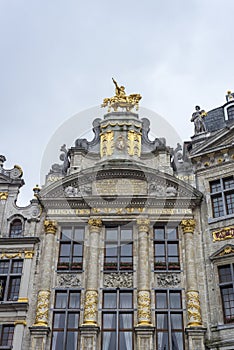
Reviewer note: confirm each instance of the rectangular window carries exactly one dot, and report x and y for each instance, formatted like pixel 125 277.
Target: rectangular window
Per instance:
pixel 118 248
pixel 226 284
pixel 66 317
pixel 169 320
pixel 10 278
pixel 166 248
pixel 222 196
pixel 71 248
pixel 117 320
pixel 7 333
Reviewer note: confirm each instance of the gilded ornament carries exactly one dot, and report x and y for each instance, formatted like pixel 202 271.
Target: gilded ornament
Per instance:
pixel 90 307
pixel 23 300
pixel 227 250
pixel 143 225
pixel 193 309
pixel 121 100
pixel 11 255
pixel 107 143
pixel 42 312
pixel 50 226
pixel 19 322
pixel 28 254
pixel 144 308
pixel 134 143
pixel 3 195
pixel 223 234
pixel 95 222
pixel 188 225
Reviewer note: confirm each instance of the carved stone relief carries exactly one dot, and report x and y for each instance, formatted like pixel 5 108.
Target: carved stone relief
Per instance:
pixel 118 280
pixel 168 280
pixel 68 280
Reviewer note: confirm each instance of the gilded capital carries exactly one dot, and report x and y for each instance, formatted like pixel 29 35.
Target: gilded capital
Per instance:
pixel 50 226
pixel 28 254
pixel 3 195
pixel 143 225
pixel 95 224
pixel 188 225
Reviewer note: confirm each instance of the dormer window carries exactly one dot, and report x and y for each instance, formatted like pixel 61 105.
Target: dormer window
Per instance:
pixel 16 228
pixel 230 112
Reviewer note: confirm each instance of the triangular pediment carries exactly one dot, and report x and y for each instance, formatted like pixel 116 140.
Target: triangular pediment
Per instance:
pixel 219 141
pixel 225 251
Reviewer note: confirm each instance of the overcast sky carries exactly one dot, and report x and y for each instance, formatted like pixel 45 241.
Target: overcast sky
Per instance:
pixel 57 59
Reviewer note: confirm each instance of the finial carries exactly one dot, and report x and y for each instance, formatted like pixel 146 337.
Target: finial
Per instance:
pixel 36 191
pixel 229 96
pixel 121 99
pixel 2 160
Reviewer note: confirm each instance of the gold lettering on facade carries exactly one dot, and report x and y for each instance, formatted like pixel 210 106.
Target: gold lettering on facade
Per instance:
pixel 144 308
pixel 223 234
pixel 119 186
pixel 107 143
pixel 90 307
pixel 134 143
pixel 193 309
pixel 42 312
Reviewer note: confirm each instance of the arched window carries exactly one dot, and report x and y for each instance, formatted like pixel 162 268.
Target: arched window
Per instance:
pixel 16 228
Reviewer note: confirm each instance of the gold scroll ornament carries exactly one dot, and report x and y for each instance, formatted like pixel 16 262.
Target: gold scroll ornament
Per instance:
pixel 223 234
pixel 42 313
pixel 107 143
pixel 143 309
pixel 90 307
pixel 193 309
pixel 134 143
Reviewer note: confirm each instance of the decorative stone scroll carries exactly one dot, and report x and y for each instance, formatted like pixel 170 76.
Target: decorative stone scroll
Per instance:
pixel 223 234
pixel 118 280
pixel 168 280
pixel 144 308
pixel 68 280
pixel 42 312
pixel 50 226
pixel 193 309
pixel 90 307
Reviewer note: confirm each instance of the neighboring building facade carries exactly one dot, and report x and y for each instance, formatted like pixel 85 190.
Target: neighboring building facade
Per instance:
pixel 128 245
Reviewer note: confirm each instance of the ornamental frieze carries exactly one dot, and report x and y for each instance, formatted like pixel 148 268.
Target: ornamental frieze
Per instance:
pixel 168 280
pixel 223 234
pixel 68 280
pixel 118 280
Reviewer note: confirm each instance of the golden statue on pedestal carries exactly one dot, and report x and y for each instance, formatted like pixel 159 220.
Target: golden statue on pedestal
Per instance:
pixel 121 99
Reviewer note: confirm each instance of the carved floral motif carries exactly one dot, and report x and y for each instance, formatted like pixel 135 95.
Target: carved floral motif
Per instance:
pixel 42 312
pixel 118 280
pixel 90 307
pixel 68 280
pixel 193 309
pixel 144 310
pixel 168 280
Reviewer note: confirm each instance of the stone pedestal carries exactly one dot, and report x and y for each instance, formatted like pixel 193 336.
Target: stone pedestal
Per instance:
pixel 39 337
pixel 196 336
pixel 88 337
pixel 144 338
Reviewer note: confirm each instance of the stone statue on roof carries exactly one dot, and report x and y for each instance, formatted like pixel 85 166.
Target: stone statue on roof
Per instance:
pixel 197 118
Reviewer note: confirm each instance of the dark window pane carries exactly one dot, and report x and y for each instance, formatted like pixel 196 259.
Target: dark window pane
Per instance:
pixel 7 335
pixel 176 321
pixel 60 300
pixel 73 320
pixel 230 203
pixel 65 249
pixel 125 321
pixel 177 341
pixel 57 342
pixel 77 249
pixel 159 233
pixel 125 300
pixel 78 234
pixel 109 341
pixel 172 249
pixel 109 300
pixel 172 233
pixel 111 250
pixel 225 273
pixel 111 234
pixel 59 320
pixel 162 321
pixel 126 250
pixel 125 341
pixel 161 300
pixel 17 266
pixel 215 186
pixel 71 343
pixel 160 249
pixel 109 321
pixel 218 209
pixel 4 266
pixel 228 182
pixel 14 286
pixel 126 234
pixel 74 302
pixel 66 233
pixel 16 228
pixel 175 300
pixel 162 341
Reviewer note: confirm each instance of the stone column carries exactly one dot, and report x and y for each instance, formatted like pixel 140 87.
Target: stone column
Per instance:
pixel 23 293
pixel 192 294
pixel 144 330
pixel 18 334
pixel 43 298
pixel 89 330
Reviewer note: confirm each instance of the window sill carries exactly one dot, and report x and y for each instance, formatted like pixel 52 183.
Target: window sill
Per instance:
pixel 221 218
pixel 224 326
